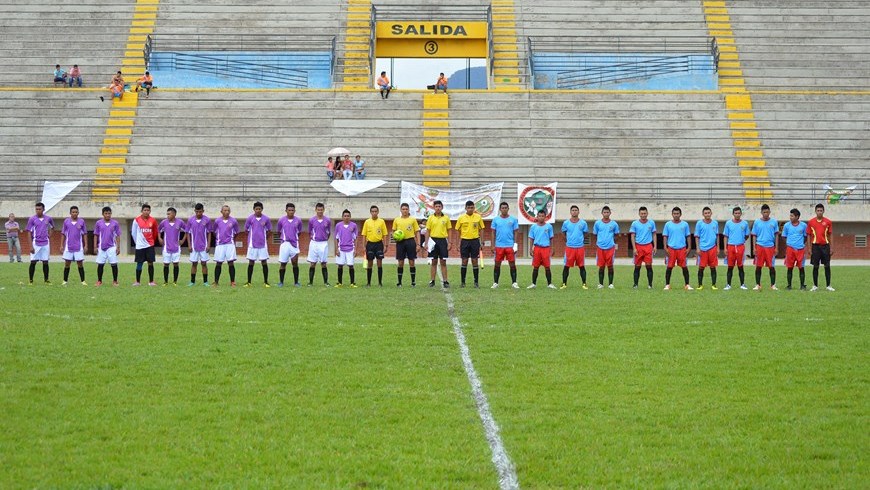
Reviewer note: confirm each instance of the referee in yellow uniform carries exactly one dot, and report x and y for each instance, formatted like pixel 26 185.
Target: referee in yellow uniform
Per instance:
pixel 377 239
pixel 469 226
pixel 438 224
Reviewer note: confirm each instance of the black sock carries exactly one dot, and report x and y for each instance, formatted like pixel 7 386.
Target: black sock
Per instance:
pixel 815 276
pixel 311 275
pixel 325 273
pixel 758 275
pixel 100 268
pixel 139 272
pixel 583 274
pixel 713 276
pixel 33 270
pixel 281 272
pixel 565 272
pixel 115 272
pixel 803 277
pixel 45 271
pixel 340 274
pixel 496 272
pixel 636 275
pixel 827 275
pixel 668 272
pixel 150 272
pixel 549 275
pixel 265 272
pixel 369 275
pixel 250 271
pixel 741 274
pixel 772 276
pixel 65 274
pixel 788 276
pixel 193 278
pixel 649 275
pixel 217 272
pixel 165 272
pixel 380 275
pixel 601 275
pixel 413 270
pixel 700 277
pixel 296 274
pixel 513 274
pixel 204 275
pixel 175 270
pixel 686 275
pixel 476 271
pixel 729 275
pixel 351 272
pixel 232 268
pixel 82 273
pixel 535 275
pixel 400 271
pixel 610 275
pixel 463 271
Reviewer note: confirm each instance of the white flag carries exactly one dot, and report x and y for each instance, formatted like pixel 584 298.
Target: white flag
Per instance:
pixel 54 192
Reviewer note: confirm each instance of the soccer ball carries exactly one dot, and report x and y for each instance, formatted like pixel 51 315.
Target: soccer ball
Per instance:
pixel 398 235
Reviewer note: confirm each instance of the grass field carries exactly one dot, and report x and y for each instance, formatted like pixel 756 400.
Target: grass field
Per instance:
pixel 300 388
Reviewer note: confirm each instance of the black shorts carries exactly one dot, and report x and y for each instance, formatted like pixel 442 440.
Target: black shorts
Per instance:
pixel 374 250
pixel 406 249
pixel 439 251
pixel 145 255
pixel 469 249
pixel 821 253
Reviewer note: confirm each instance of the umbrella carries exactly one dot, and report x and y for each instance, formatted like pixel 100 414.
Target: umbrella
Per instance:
pixel 337 152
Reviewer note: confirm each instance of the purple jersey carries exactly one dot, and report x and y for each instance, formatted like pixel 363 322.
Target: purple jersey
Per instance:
pixel 319 229
pixel 39 229
pixel 198 231
pixel 106 233
pixel 289 229
pixel 171 232
pixel 75 232
pixel 346 236
pixel 257 229
pixel 225 231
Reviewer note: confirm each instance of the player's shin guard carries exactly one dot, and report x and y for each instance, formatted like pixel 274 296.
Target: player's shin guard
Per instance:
pixel 380 275
pixel 610 275
pixel 463 271
pixel 232 269
pixel 668 272
pixel 250 271
pixel 400 271
pixel 66 274
pixel 803 277
pixel 649 275
pixel 82 273
pixel 583 274
pixel 175 271
pixel 513 268
pixel 636 275
pixel 549 275
pixel 352 274
pixel 758 275
pixel 33 271
pixel 565 272
pixel 115 272
pixel 45 272
pixel 217 272
pixel 165 272
pixel 686 275
pixel 100 268
pixel 340 274
pixel 150 272
pixel 413 270
pixel 535 275
pixel 601 275
pixel 476 271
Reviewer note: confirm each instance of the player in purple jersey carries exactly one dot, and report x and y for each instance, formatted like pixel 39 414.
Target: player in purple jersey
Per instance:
pixel 259 228
pixel 74 232
pixel 107 231
pixel 39 226
pixel 345 242
pixel 198 240
pixel 169 234
pixel 225 230
pixel 288 228
pixel 319 229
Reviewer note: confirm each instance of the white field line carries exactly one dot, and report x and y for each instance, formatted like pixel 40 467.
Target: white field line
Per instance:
pixel 507 475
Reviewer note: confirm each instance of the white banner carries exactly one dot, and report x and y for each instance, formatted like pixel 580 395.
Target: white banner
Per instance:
pixel 420 198
pixel 534 198
pixel 356 187
pixel 54 192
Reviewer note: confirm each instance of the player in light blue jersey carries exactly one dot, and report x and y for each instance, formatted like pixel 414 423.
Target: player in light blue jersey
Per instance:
pixel 575 230
pixel 765 237
pixel 605 230
pixel 643 241
pixel 505 226
pixel 736 232
pixel 676 234
pixel 707 234
pixel 795 234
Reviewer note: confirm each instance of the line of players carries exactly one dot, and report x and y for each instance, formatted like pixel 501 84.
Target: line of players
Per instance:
pixel 173 233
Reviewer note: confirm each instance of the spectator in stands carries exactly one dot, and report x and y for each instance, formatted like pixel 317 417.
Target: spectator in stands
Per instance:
pixel 75 76
pixel 384 84
pixel 12 238
pixel 146 82
pixel 59 76
pixel 116 86
pixel 118 78
pixel 347 168
pixel 330 169
pixel 359 168
pixel 441 83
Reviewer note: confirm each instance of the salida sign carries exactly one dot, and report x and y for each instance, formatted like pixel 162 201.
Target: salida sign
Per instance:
pixel 415 39
pixel 429 30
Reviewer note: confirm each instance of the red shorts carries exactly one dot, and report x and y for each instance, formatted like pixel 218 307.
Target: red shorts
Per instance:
pixel 643 254
pixel 708 258
pixel 504 253
pixel 605 257
pixel 734 255
pixel 764 256
pixel 794 257
pixel 541 257
pixel 575 256
pixel 677 256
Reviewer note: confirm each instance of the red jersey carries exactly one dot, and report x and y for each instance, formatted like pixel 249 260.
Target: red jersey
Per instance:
pixel 820 231
pixel 148 228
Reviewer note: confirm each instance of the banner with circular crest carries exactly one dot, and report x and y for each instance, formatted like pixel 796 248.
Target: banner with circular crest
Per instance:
pixel 534 198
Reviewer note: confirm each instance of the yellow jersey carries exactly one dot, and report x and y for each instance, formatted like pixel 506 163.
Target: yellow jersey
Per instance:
pixel 437 226
pixel 408 225
pixel 469 226
pixel 374 230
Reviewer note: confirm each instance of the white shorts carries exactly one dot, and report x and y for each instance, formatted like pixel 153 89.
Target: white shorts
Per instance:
pixel 344 258
pixel 76 256
pixel 39 253
pixel 258 253
pixel 171 258
pixel 318 251
pixel 287 252
pixel 225 253
pixel 110 255
pixel 198 257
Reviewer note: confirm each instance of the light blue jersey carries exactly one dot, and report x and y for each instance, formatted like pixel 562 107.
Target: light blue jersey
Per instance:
pixel 795 235
pixel 504 231
pixel 575 233
pixel 676 234
pixel 643 232
pixel 541 235
pixel 707 233
pixel 736 233
pixel 605 232
pixel 765 232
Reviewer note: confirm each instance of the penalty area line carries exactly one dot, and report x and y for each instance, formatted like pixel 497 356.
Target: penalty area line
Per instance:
pixel 507 475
